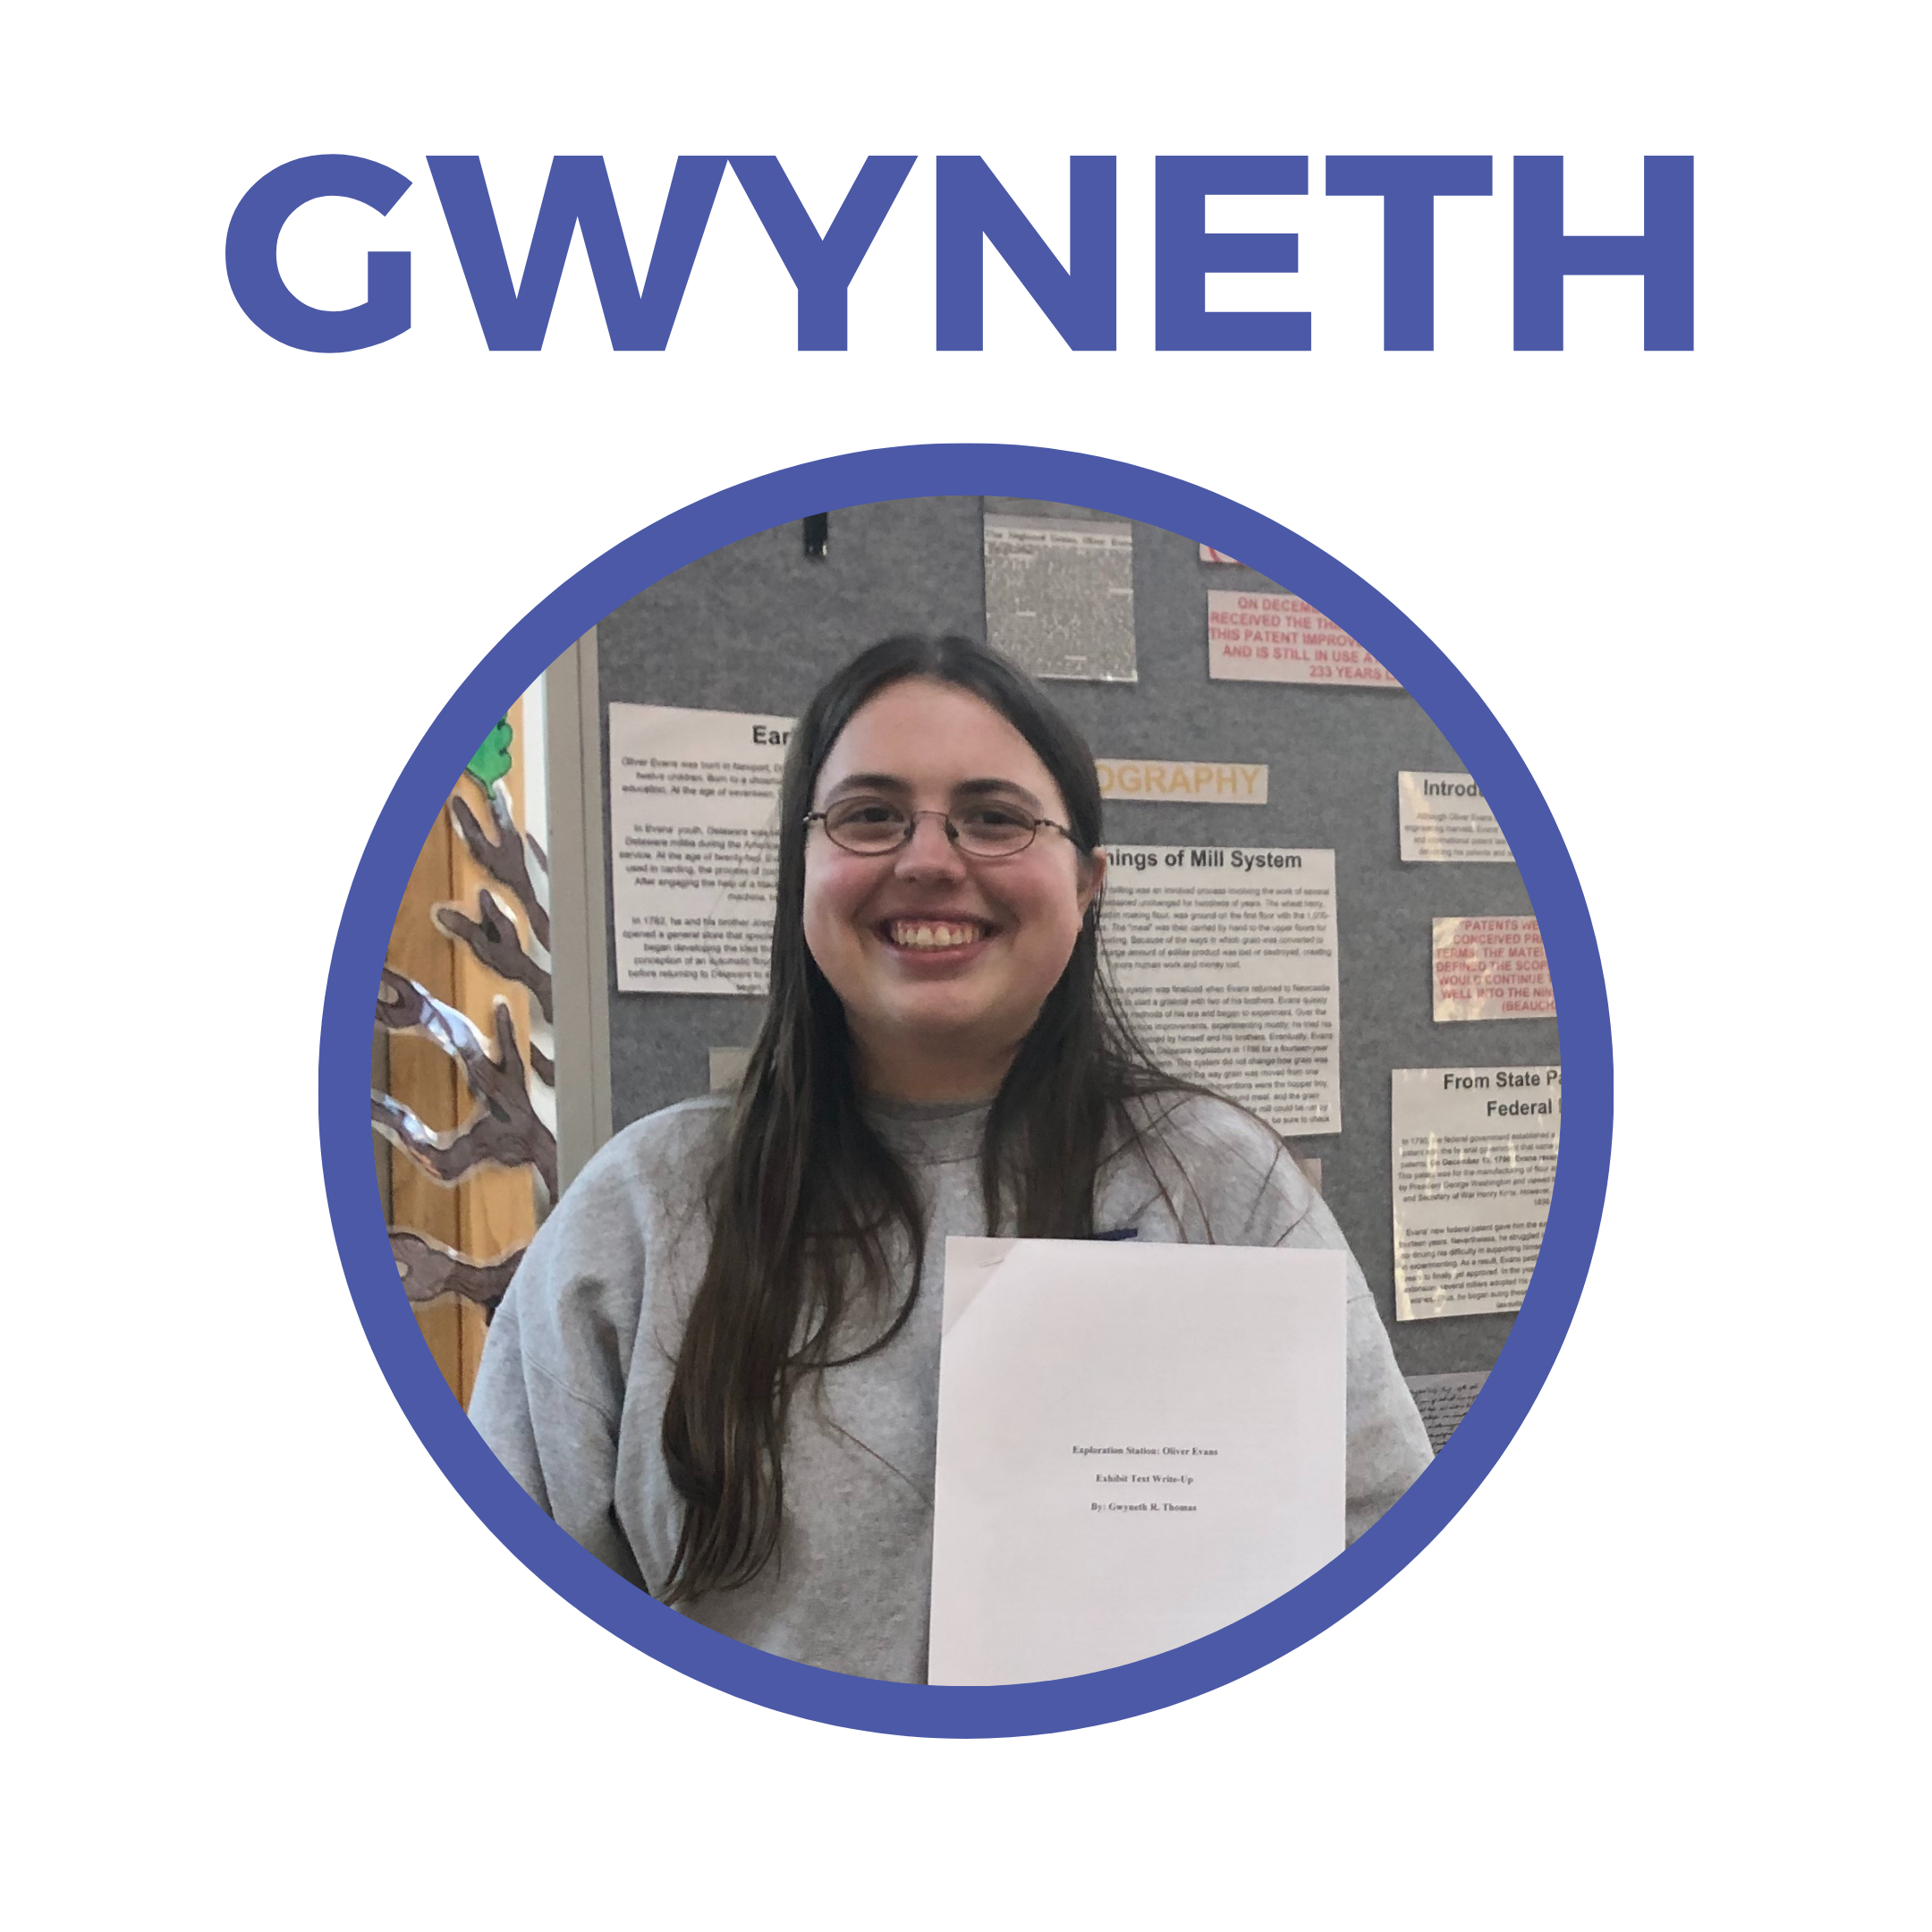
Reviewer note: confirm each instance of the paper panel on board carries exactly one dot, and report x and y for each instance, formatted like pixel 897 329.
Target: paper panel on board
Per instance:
pixel 1446 819
pixel 1277 639
pixel 1137 1445
pixel 1059 595
pixel 1472 1153
pixel 694 847
pixel 1442 1401
pixel 1491 969
pixel 1190 781
pixel 1225 957
pixel 728 1067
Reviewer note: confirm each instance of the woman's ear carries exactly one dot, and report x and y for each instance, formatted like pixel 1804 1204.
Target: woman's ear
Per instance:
pixel 1093 876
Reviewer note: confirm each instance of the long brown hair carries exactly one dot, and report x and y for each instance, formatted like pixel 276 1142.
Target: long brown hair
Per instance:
pixel 808 1206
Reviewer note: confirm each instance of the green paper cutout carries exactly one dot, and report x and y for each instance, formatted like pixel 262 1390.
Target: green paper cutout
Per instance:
pixel 492 760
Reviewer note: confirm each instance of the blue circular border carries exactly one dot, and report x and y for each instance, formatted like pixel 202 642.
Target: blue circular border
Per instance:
pixel 964 470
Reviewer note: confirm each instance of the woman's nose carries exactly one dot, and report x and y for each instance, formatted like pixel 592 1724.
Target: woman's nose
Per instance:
pixel 930 849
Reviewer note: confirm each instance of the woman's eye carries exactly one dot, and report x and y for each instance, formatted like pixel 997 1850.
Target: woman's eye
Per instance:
pixel 993 818
pixel 869 814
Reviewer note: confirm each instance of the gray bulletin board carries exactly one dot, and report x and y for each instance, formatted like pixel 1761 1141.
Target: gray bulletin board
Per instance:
pixel 759 626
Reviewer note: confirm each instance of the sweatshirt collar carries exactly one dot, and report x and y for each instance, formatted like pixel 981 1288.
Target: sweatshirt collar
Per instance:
pixel 927 1134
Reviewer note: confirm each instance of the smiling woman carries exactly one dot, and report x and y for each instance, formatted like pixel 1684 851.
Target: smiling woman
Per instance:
pixel 719 1366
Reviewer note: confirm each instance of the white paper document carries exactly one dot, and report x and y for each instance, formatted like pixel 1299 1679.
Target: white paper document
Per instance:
pixel 1473 1154
pixel 1224 956
pixel 1446 819
pixel 1059 595
pixel 1442 1401
pixel 1138 1446
pixel 694 847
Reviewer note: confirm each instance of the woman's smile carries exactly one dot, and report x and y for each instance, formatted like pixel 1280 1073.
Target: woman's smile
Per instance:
pixel 933 936
pixel 934 933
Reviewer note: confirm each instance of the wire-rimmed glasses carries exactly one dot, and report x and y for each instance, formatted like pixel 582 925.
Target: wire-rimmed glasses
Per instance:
pixel 872 827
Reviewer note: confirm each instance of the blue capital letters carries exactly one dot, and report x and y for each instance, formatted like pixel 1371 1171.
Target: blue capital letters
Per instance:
pixel 821 265
pixel 1661 254
pixel 1407 185
pixel 1185 254
pixel 256 227
pixel 973 208
pixel 576 196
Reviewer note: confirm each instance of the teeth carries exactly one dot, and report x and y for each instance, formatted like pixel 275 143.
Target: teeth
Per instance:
pixel 928 935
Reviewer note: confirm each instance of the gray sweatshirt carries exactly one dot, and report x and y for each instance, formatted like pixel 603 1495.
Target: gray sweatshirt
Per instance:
pixel 571 1390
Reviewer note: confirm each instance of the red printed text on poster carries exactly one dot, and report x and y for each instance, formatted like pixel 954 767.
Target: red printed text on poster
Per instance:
pixel 1491 969
pixel 1275 638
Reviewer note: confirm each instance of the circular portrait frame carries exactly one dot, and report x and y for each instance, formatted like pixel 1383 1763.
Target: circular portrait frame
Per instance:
pixel 965 469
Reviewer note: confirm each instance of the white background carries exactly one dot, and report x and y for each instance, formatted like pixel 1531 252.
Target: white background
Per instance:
pixel 274 1672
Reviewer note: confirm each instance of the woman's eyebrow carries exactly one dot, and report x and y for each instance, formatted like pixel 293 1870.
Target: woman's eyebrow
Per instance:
pixel 988 787
pixel 866 781
pixel 969 788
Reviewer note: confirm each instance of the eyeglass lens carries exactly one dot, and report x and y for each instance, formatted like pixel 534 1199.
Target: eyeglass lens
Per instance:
pixel 870 827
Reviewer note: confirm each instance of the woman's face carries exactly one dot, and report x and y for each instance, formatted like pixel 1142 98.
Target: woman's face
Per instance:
pixel 942 960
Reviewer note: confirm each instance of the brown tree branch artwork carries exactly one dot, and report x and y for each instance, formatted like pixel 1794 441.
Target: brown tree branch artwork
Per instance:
pixel 511 1123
